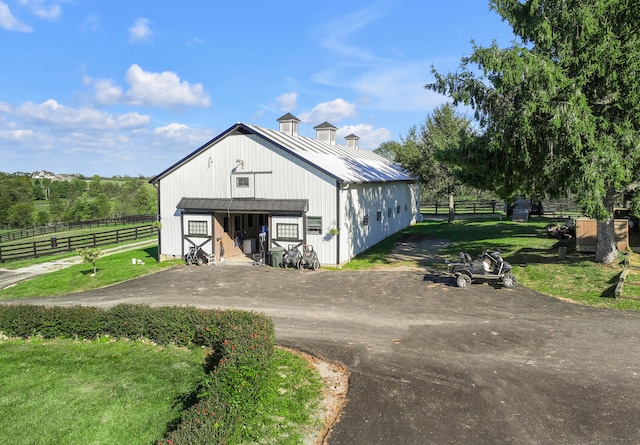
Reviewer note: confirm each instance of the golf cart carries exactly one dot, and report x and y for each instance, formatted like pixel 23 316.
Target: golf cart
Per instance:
pixel 488 267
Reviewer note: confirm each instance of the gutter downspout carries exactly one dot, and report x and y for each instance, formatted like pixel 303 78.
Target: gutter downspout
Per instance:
pixel 339 206
pixel 156 185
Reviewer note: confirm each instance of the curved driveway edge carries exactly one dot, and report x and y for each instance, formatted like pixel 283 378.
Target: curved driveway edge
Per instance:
pixel 432 363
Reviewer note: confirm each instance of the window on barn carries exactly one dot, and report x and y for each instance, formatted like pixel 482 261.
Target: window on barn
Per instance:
pixel 198 228
pixel 365 220
pixel 398 209
pixel 314 225
pixel 242 182
pixel 379 216
pixel 389 212
pixel 287 231
pixel 406 206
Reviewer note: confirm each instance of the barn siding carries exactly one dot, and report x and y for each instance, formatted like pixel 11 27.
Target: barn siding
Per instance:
pixel 278 174
pixel 366 200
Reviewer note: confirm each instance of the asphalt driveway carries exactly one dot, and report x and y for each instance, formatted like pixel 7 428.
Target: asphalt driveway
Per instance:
pixel 431 363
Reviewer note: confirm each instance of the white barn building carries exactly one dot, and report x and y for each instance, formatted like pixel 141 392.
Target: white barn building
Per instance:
pixel 295 190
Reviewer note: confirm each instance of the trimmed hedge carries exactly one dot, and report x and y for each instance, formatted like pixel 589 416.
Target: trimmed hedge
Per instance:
pixel 241 343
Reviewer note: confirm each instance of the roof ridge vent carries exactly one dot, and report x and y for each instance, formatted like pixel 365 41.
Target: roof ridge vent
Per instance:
pixel 289 124
pixel 352 141
pixel 326 132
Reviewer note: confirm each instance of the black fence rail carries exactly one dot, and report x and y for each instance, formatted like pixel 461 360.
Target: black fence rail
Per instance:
pixel 18 234
pixel 560 208
pixel 463 206
pixel 68 244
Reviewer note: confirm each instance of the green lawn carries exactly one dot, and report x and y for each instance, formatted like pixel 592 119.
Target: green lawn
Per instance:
pixel 111 269
pixel 528 248
pixel 129 392
pixel 92 386
pixel 79 392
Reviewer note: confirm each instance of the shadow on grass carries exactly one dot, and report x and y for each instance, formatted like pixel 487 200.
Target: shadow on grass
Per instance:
pixel 185 401
pixel 152 252
pixel 532 255
pixel 610 292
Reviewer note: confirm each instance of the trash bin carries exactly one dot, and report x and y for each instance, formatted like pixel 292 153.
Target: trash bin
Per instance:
pixel 276 257
pixel 54 242
pixel 562 253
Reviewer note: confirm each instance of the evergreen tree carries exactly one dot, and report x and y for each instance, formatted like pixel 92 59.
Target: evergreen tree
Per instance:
pixel 560 109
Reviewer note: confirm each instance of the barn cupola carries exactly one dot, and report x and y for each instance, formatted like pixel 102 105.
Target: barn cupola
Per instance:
pixel 326 132
pixel 352 141
pixel 289 124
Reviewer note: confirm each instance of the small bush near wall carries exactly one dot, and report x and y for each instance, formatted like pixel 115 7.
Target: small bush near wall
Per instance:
pixel 241 346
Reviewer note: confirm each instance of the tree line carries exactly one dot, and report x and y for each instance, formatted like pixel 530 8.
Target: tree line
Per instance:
pixel 25 201
pixel 556 113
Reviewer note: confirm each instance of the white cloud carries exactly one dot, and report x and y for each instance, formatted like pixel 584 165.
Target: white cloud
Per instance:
pixel 140 30
pixel 333 111
pixel 106 91
pixel 53 114
pixel 54 137
pixel 16 135
pixel 164 90
pixel 195 41
pixel 287 101
pixel 397 88
pixel 370 138
pixel 381 81
pixel 183 135
pixel 9 22
pixel 91 23
pixel 337 33
pixel 43 9
pixel 171 130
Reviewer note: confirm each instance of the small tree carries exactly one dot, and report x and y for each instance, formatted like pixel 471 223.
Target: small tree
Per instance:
pixel 424 151
pixel 90 256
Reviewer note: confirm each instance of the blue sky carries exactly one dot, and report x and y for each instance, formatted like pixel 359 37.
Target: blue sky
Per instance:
pixel 124 87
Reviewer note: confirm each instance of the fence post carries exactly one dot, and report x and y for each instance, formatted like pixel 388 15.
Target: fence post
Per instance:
pixel 1 255
pixel 436 207
pixel 94 240
pixel 35 250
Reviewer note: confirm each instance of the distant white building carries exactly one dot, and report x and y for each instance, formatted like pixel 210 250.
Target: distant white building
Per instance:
pixel 42 174
pixel 296 190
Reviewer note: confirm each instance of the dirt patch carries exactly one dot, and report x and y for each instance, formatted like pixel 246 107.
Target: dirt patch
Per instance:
pixel 335 385
pixel 417 250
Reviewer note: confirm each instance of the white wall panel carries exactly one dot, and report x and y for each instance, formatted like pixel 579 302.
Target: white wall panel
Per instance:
pixel 277 174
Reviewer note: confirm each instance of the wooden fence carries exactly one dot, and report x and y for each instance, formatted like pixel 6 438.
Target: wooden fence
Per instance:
pixel 17 234
pixel 68 244
pixel 561 208
pixel 550 208
pixel 442 207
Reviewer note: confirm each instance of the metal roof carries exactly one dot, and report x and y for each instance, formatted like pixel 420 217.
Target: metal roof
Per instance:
pixel 345 164
pixel 238 205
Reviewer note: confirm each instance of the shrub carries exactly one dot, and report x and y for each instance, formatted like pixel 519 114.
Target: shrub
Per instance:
pixel 241 346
